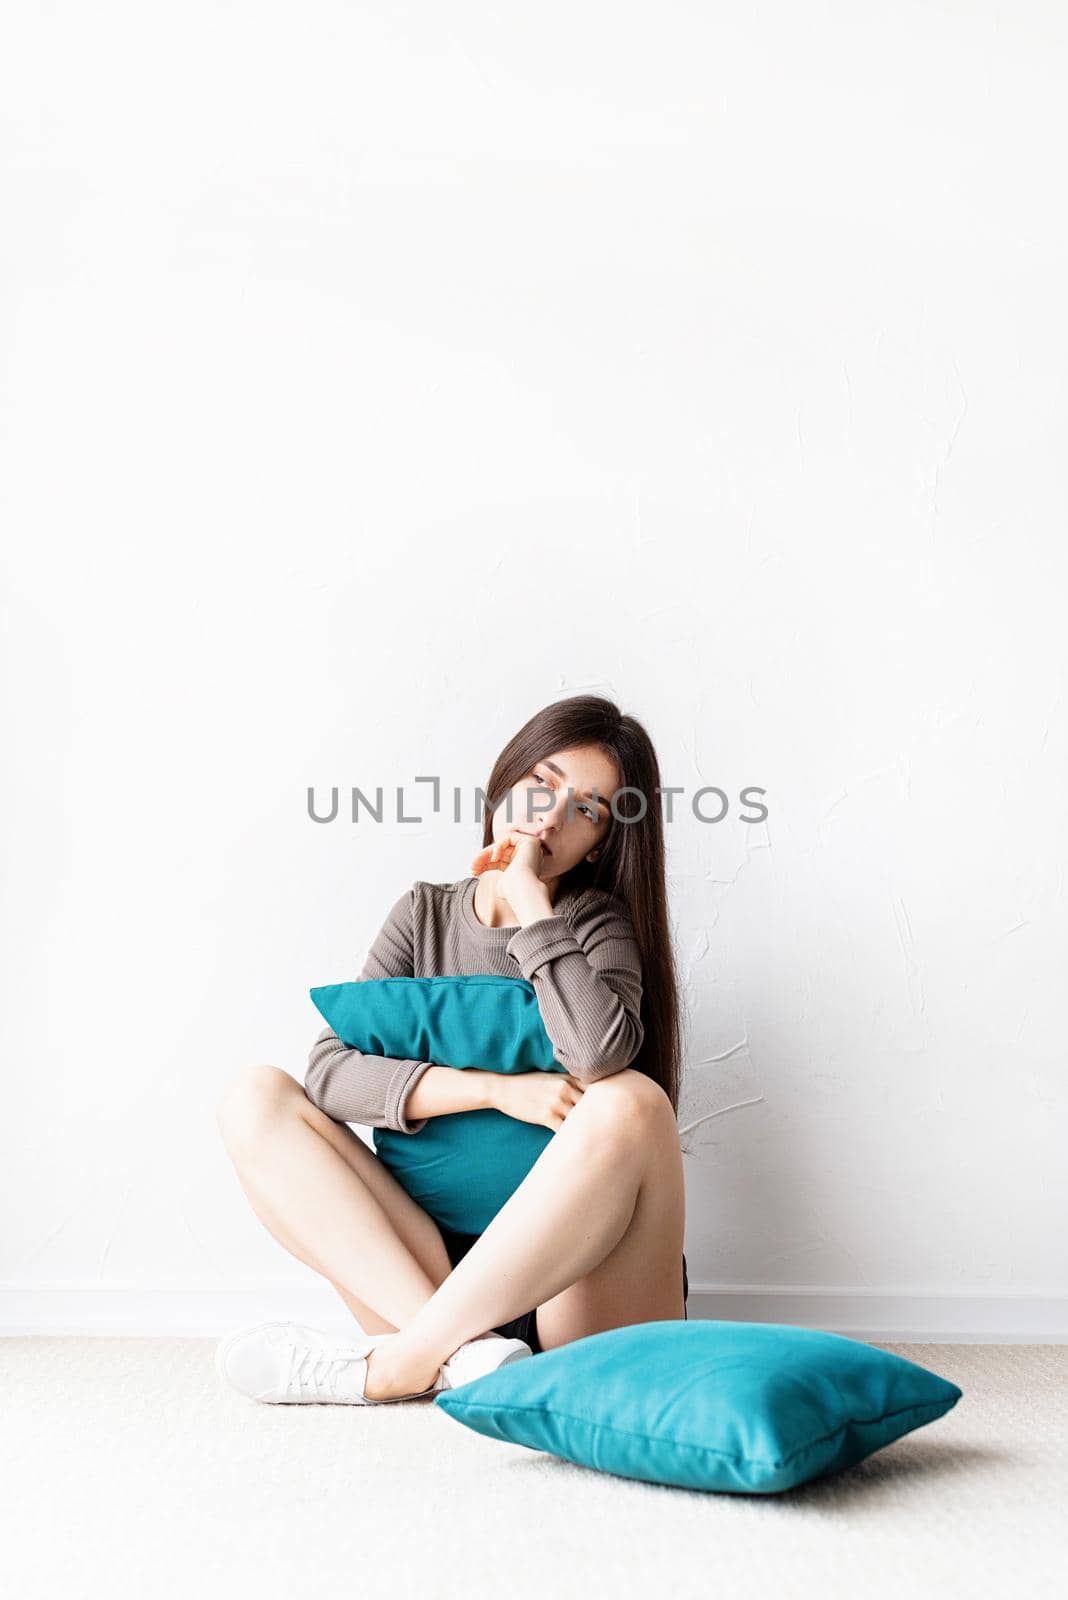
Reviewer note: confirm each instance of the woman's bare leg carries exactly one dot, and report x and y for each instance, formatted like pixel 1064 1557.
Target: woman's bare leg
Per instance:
pixel 329 1200
pixel 616 1159
pixel 337 1201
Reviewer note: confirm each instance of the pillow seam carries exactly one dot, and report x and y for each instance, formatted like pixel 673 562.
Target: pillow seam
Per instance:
pixel 727 1455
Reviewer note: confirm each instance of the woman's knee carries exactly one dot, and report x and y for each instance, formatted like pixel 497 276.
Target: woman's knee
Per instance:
pixel 253 1097
pixel 630 1096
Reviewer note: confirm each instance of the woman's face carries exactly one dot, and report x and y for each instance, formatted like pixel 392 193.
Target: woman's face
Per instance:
pixel 539 806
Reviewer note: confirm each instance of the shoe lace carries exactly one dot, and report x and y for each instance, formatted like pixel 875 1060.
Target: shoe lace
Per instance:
pixel 315 1369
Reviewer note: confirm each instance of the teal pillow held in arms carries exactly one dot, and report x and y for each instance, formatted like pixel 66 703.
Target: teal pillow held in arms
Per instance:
pixel 461 1168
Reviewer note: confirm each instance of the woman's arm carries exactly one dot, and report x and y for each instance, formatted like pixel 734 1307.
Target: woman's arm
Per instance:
pixel 441 1090
pixel 588 982
pixel 352 1086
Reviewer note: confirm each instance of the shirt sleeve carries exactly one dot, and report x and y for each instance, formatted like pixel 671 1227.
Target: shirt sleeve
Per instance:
pixel 351 1086
pixel 589 987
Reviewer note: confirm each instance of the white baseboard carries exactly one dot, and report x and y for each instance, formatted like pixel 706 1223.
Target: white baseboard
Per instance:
pixel 895 1316
pixel 193 1310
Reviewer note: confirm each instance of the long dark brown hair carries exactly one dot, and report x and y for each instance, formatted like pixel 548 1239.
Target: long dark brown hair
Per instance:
pixel 631 859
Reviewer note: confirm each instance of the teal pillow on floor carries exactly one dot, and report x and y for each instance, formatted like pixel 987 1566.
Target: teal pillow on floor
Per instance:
pixel 735 1407
pixel 460 1168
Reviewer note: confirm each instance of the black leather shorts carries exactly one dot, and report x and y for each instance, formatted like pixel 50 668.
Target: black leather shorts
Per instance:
pixel 524 1327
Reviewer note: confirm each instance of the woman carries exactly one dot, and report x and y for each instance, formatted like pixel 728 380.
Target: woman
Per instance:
pixel 568 892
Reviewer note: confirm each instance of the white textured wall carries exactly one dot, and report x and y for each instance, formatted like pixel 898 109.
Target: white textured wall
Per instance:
pixel 369 380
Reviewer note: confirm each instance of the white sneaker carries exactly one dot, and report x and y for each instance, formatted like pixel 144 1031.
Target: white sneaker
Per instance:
pixel 478 1356
pixel 285 1363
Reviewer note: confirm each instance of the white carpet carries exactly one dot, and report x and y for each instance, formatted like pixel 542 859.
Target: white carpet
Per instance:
pixel 131 1470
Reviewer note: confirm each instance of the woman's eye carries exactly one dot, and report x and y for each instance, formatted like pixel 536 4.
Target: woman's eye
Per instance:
pixel 588 809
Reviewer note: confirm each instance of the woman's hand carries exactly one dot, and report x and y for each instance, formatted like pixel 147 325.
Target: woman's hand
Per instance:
pixel 517 857
pixel 493 856
pixel 544 1098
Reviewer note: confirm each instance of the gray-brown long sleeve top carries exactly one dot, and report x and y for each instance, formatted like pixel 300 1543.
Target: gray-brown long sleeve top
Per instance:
pixel 583 962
